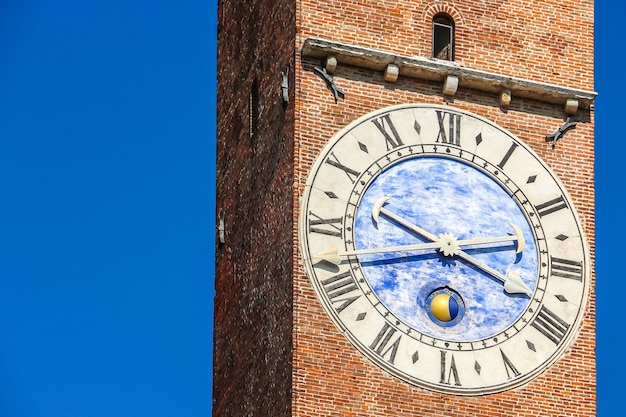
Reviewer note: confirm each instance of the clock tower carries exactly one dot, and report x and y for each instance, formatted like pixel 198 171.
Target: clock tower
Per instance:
pixel 405 206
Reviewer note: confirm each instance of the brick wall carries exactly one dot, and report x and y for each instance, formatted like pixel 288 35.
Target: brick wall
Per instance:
pixel 550 41
pixel 544 41
pixel 253 277
pixel 276 353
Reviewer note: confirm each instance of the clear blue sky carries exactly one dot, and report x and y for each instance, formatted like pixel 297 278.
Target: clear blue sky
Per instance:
pixel 107 147
pixel 107 143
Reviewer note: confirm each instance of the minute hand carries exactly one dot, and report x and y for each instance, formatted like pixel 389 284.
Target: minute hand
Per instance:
pixel 332 254
pixel 512 283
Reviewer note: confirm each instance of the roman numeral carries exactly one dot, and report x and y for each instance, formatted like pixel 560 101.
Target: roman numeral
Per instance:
pixel 551 206
pixel 453 134
pixel 550 325
pixel 448 373
pixel 392 140
pixel 508 366
pixel 351 173
pixel 383 346
pixel 338 286
pixel 507 155
pixel 329 227
pixel 566 268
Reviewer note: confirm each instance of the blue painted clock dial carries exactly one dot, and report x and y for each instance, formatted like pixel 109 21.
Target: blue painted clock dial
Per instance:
pixel 445 196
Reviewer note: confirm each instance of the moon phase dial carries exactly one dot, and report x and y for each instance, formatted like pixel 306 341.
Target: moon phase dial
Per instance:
pixel 445 307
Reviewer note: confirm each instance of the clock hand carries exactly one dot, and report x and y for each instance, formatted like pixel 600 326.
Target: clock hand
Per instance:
pixel 378 208
pixel 512 283
pixel 333 256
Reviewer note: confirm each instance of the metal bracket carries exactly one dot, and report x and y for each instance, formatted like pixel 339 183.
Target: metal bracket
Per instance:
pixel 554 137
pixel 330 83
pixel 221 228
pixel 284 86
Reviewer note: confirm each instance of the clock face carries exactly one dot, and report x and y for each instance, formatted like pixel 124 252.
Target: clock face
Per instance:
pixel 444 249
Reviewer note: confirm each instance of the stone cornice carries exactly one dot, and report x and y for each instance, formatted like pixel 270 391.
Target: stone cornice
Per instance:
pixel 447 72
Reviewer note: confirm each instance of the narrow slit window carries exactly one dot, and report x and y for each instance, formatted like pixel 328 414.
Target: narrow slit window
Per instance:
pixel 443 37
pixel 253 109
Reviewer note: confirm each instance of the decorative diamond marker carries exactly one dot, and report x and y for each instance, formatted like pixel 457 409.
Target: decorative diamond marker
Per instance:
pixel 561 298
pixel 331 194
pixel 415 356
pixel 479 138
pixel 417 127
pixel 477 367
pixel 361 316
pixel 530 346
pixel 531 179
pixel 562 237
pixel 363 147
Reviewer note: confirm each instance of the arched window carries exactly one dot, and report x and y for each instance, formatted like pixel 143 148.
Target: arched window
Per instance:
pixel 443 37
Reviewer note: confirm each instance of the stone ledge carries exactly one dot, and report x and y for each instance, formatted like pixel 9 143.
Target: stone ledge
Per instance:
pixel 439 70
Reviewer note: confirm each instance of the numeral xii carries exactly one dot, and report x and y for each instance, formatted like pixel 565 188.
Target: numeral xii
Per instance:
pixel 449 128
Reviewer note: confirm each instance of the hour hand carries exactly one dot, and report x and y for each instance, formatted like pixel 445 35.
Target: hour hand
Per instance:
pixel 378 209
